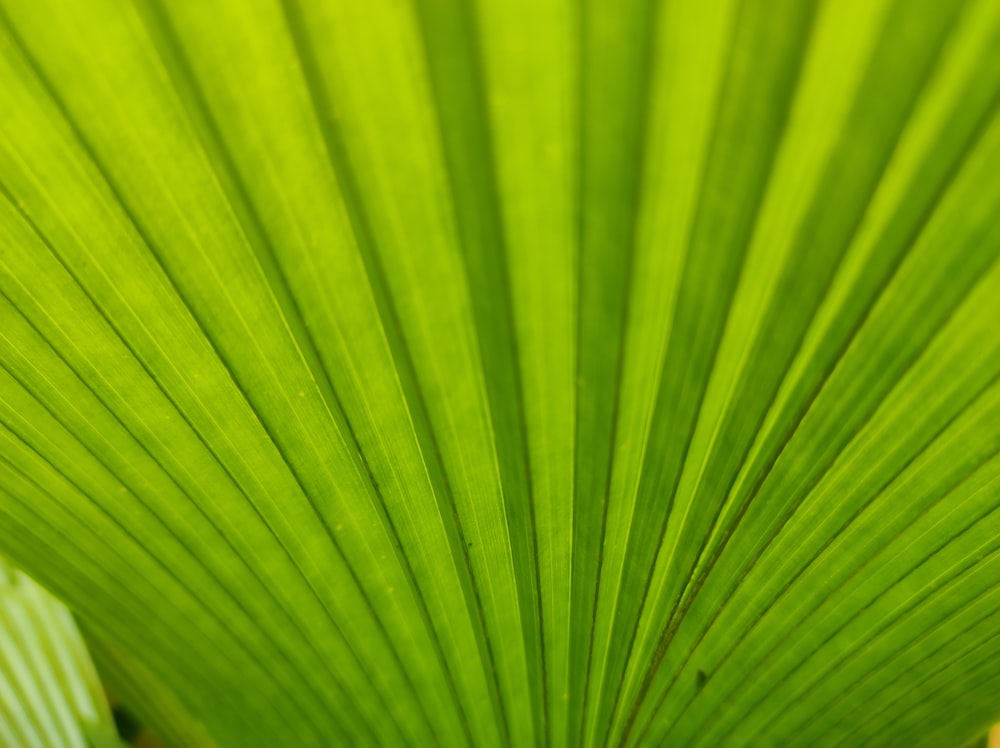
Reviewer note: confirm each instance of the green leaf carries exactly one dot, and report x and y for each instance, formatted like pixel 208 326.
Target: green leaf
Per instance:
pixel 158 708
pixel 50 694
pixel 510 372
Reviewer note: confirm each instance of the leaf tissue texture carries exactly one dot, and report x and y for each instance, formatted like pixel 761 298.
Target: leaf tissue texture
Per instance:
pixel 510 372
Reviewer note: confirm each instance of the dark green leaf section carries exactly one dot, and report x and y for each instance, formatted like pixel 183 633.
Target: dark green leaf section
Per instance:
pixel 157 708
pixel 466 372
pixel 616 55
pixel 760 76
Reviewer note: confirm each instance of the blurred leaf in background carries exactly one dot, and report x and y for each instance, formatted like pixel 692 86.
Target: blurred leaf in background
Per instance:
pixel 50 693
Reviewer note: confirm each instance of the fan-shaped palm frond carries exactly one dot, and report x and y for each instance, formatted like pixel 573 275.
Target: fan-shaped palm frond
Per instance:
pixel 511 372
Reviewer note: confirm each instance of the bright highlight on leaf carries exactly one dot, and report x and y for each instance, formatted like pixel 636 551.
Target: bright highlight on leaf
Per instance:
pixel 50 695
pixel 510 372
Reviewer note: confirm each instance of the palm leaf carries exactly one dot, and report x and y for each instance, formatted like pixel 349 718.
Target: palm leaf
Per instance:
pixel 534 373
pixel 50 694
